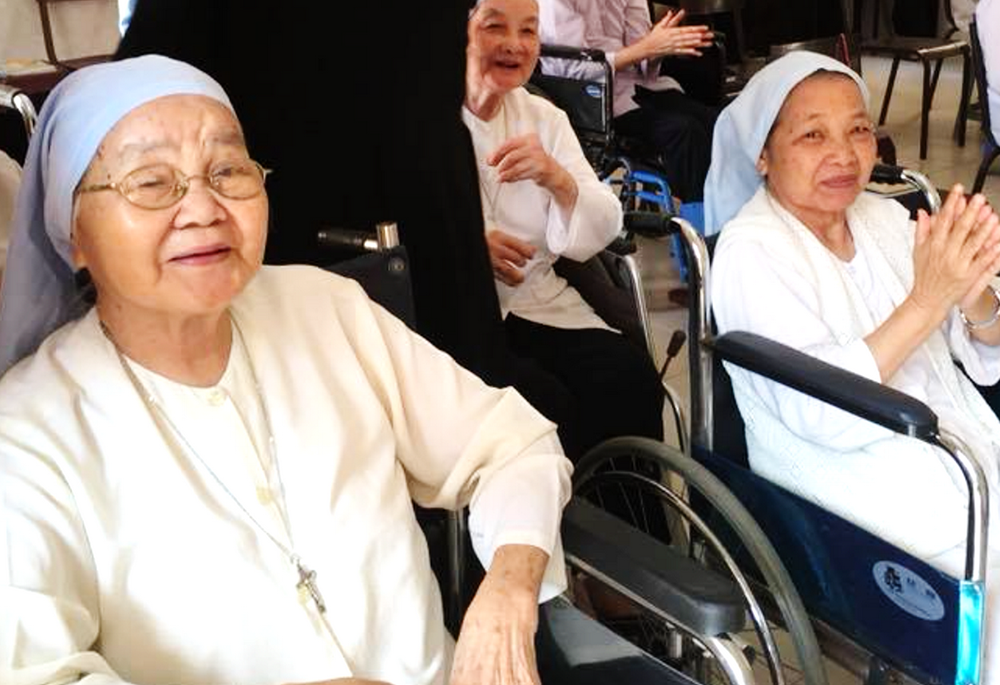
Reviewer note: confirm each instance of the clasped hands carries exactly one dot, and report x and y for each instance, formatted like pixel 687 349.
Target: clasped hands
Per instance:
pixel 956 255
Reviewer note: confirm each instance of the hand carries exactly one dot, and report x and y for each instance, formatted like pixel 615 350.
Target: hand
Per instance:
pixel 522 158
pixel 507 255
pixel 667 37
pixel 956 253
pixel 497 641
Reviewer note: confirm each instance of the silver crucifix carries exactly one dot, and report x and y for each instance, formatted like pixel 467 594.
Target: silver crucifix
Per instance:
pixel 307 584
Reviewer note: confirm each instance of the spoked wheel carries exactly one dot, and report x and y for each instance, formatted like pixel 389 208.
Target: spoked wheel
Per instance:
pixel 627 474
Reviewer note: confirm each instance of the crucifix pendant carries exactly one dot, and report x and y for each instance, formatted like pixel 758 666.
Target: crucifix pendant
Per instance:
pixel 307 584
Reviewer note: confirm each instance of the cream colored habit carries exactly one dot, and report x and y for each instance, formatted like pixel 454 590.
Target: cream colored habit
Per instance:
pixel 123 559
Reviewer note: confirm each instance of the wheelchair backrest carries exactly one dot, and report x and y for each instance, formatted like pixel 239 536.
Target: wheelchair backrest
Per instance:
pixel 385 276
pixel 584 101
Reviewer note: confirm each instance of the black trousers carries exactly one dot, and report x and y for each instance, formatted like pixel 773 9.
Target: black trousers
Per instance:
pixel 678 130
pixel 594 383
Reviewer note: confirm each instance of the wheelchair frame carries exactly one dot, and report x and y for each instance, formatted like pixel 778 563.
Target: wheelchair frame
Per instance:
pixel 17 100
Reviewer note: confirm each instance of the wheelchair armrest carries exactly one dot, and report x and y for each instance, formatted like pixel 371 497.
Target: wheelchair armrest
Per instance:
pixel 577 54
pixel 848 391
pixel 649 572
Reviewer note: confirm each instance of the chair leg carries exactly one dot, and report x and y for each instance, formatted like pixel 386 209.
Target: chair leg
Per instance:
pixel 962 117
pixel 888 91
pixel 984 168
pixel 934 81
pixel 925 109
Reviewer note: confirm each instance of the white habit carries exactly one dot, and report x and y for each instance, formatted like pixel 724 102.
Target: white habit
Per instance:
pixel 773 277
pixel 529 212
pixel 123 559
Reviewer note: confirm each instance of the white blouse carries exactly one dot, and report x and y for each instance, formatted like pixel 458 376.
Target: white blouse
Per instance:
pixel 124 557
pixel 529 212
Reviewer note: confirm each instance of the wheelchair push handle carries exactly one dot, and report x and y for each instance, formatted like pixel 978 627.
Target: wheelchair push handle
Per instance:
pixel 12 98
pixel 570 52
pixel 650 224
pixel 385 237
pixel 890 174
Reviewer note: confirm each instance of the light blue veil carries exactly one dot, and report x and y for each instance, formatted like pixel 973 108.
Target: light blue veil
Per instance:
pixel 742 129
pixel 39 293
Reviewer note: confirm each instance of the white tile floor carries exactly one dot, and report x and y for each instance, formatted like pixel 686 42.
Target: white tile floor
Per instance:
pixel 946 164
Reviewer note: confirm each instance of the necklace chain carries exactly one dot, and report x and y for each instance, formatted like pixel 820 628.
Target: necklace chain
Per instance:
pixel 492 200
pixel 306 584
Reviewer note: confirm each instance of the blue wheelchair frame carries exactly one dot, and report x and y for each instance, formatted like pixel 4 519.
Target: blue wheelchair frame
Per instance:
pixel 846 576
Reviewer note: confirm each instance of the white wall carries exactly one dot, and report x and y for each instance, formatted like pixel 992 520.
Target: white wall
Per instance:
pixel 87 27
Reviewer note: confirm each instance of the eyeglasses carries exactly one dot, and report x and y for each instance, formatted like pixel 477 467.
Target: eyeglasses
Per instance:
pixel 159 186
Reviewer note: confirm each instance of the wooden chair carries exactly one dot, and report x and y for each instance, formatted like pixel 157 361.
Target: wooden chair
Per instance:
pixel 991 149
pixel 65 64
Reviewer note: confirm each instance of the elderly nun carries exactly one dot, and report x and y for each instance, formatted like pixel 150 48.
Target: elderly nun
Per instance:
pixel 208 473
pixel 850 279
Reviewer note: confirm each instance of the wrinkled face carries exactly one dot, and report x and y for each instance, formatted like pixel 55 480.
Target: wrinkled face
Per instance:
pixel 191 258
pixel 821 149
pixel 503 43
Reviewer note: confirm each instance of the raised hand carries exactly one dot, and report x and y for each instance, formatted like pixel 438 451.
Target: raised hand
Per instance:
pixel 522 158
pixel 667 37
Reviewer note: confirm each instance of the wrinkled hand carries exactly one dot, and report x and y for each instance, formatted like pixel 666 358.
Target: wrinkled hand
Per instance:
pixel 956 253
pixel 508 255
pixel 496 645
pixel 667 37
pixel 522 158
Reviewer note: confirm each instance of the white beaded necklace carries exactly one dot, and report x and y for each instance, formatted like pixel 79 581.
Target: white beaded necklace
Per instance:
pixel 307 586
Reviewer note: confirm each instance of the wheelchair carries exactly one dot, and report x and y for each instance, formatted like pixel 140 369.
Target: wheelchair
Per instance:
pixel 702 608
pixel 876 609
pixel 626 164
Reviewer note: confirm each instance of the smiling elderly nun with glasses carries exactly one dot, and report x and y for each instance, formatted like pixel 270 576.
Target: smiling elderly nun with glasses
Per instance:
pixel 208 474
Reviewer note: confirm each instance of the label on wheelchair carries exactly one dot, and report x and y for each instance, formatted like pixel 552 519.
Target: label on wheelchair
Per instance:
pixel 908 591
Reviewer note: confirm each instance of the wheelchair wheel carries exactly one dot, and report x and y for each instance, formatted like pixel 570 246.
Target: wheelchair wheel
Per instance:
pixel 635 468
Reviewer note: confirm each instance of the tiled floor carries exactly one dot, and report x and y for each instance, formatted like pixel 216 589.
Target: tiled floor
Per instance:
pixel 946 164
